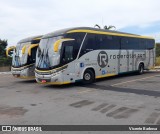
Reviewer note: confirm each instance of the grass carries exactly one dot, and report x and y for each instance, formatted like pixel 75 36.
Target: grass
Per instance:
pixel 158 61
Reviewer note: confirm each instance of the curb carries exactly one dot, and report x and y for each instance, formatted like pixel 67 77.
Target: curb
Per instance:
pixel 5 73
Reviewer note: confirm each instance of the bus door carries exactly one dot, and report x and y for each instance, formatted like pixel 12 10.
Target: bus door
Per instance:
pixel 68 60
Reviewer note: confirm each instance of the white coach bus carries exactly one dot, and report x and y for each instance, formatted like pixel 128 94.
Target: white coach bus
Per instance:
pixel 24 57
pixel 76 54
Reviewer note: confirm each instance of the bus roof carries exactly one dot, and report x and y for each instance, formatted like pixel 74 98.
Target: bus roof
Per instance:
pixel 30 39
pixel 92 30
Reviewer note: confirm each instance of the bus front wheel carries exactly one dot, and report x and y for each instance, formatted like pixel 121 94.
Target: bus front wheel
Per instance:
pixel 88 76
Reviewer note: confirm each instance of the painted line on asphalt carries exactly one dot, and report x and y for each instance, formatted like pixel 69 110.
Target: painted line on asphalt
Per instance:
pixel 133 80
pixel 85 91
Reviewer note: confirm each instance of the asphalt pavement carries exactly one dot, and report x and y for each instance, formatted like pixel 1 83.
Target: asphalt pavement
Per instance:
pixel 120 100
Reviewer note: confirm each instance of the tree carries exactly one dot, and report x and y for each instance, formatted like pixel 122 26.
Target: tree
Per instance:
pixel 106 27
pixel 97 26
pixel 157 49
pixel 4 61
pixel 109 27
pixel 3 45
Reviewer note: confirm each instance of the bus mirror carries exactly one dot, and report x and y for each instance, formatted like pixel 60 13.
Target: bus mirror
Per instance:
pixel 30 48
pixel 23 49
pixel 59 42
pixel 56 45
pixel 9 50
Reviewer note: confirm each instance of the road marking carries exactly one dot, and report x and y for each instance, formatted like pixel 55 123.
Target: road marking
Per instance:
pixel 100 107
pixel 126 114
pixel 117 111
pixel 152 118
pixel 133 80
pixel 107 108
pixel 81 103
pixel 89 90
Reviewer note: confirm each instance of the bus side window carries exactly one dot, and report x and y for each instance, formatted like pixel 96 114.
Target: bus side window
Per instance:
pixel 108 42
pixel 89 44
pixel 128 43
pixel 101 41
pixel 67 52
pixel 32 57
pixel 77 42
pixel 150 44
pixel 33 54
pixel 124 43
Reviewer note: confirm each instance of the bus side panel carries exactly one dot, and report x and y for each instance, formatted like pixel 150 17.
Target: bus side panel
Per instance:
pixel 69 73
pixel 150 58
pixel 139 57
pixel 31 71
pixel 131 61
pixel 104 62
pixel 111 62
pixel 124 61
pixel 88 60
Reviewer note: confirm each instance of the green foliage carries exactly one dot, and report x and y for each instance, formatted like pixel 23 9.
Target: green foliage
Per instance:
pixel 157 49
pixel 109 27
pixel 157 54
pixel 158 61
pixel 3 45
pixel 97 26
pixel 4 61
pixel 106 27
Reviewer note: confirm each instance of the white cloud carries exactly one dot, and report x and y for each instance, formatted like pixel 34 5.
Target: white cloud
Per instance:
pixel 23 18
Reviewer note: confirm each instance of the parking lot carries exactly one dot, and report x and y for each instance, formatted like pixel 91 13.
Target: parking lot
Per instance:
pixel 122 100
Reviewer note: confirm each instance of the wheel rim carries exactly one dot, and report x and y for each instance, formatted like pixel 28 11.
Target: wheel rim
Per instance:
pixel 87 76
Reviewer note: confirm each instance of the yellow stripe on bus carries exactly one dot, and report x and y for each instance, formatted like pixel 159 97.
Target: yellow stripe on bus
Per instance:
pixel 107 75
pixel 108 33
pixel 50 70
pixel 56 83
pixel 20 68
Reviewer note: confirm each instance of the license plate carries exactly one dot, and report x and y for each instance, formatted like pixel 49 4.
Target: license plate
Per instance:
pixel 43 81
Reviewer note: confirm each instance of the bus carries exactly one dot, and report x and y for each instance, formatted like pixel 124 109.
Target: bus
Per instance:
pixel 85 54
pixel 24 57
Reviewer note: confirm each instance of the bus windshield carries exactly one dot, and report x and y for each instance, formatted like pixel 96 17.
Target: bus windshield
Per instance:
pixel 20 59
pixel 46 58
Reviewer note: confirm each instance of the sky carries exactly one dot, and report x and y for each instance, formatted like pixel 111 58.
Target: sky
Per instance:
pixel 20 19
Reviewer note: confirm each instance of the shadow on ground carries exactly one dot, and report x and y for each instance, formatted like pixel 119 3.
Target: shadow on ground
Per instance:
pixel 26 81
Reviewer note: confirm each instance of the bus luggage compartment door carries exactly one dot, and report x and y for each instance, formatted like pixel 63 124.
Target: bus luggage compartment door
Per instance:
pixel 123 61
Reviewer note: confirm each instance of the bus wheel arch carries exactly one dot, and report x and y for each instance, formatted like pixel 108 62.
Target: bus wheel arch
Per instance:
pixel 88 76
pixel 141 68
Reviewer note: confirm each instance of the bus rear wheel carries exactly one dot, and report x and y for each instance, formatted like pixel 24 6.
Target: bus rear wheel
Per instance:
pixel 88 76
pixel 141 69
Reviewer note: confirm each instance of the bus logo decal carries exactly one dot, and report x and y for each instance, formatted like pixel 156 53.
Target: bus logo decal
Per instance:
pixel 102 59
pixel 81 65
pixel 103 72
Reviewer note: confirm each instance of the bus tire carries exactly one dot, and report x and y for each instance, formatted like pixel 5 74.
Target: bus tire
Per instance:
pixel 88 76
pixel 140 68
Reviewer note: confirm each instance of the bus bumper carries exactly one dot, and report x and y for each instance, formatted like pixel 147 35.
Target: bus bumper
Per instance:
pixel 22 74
pixel 54 79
